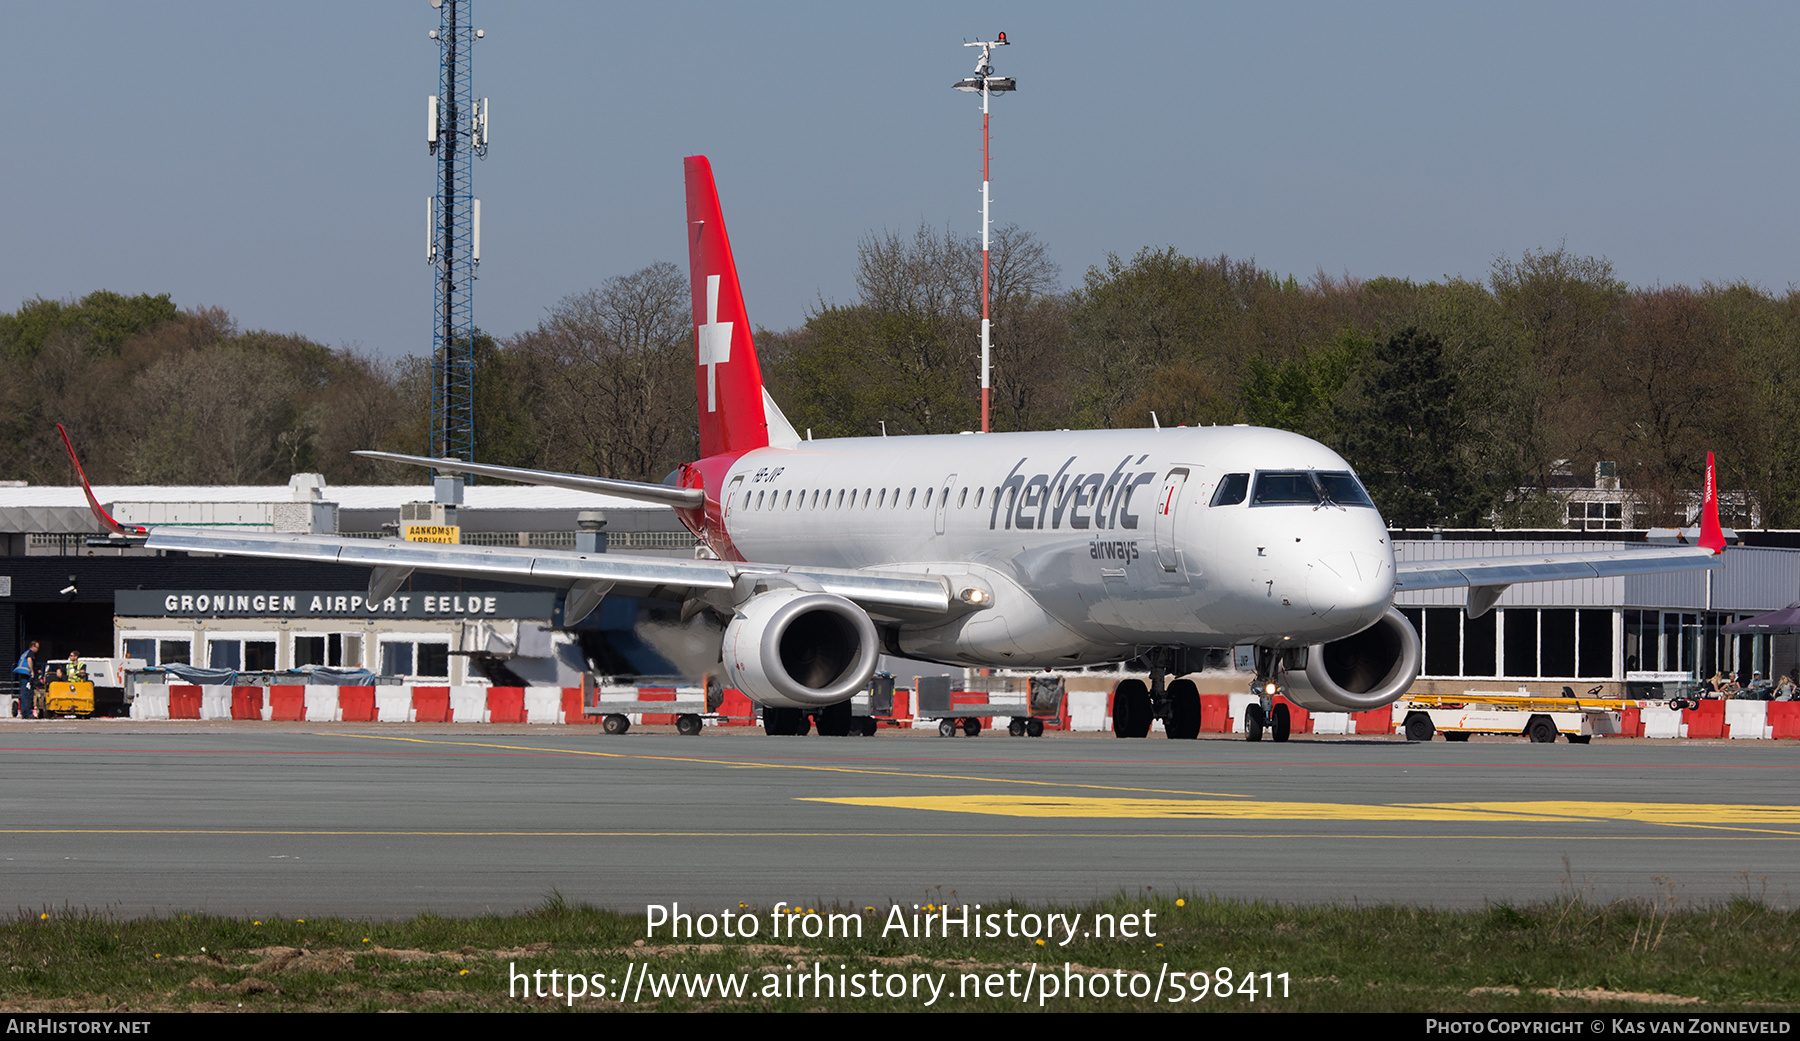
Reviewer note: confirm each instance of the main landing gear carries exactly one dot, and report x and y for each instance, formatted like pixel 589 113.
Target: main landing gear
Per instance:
pixel 832 720
pixel 1137 704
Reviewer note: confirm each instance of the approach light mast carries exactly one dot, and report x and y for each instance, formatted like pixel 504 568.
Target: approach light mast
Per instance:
pixel 985 83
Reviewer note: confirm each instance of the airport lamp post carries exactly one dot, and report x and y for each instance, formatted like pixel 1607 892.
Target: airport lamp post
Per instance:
pixel 985 83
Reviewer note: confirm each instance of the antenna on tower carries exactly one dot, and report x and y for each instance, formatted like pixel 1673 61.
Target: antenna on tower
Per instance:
pixel 456 133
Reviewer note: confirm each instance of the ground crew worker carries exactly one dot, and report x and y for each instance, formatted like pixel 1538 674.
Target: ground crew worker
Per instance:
pixel 25 672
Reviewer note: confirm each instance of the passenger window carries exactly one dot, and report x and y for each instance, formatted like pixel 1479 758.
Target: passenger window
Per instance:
pixel 1232 489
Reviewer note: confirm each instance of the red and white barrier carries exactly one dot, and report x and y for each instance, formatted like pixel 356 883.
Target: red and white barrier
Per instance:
pixel 1083 710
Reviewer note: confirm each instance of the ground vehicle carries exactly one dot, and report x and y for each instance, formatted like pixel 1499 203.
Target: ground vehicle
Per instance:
pixel 1457 716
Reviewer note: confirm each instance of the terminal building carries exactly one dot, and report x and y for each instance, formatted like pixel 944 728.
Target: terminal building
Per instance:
pixel 65 583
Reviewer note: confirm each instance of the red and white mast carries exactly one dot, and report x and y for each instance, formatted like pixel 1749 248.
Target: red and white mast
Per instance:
pixel 985 83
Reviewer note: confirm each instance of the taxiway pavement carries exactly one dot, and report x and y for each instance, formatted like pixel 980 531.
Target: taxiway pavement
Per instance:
pixel 300 819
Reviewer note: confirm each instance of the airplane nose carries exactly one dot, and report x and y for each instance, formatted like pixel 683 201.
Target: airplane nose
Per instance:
pixel 1348 583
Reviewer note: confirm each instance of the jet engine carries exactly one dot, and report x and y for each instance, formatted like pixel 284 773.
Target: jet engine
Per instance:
pixel 1359 672
pixel 794 648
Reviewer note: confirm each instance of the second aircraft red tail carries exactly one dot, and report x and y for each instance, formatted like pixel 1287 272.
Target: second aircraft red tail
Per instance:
pixel 1712 536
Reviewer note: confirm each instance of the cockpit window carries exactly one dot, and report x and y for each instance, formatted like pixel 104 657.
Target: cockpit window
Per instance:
pixel 1232 489
pixel 1281 488
pixel 1343 488
pixel 1309 488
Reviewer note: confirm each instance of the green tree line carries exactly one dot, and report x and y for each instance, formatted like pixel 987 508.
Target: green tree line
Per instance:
pixel 1447 396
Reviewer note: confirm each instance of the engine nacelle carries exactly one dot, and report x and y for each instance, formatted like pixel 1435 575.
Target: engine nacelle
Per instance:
pixel 793 648
pixel 1359 672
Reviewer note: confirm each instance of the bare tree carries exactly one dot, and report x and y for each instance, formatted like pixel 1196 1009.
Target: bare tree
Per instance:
pixel 615 367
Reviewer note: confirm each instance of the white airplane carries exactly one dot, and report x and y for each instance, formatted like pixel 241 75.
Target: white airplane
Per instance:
pixel 1023 551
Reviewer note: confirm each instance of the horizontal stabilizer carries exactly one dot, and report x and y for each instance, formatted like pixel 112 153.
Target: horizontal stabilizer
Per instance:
pixel 681 498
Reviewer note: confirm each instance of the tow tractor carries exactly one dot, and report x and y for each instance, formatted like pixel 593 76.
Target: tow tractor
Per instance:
pixel 98 690
pixel 1512 713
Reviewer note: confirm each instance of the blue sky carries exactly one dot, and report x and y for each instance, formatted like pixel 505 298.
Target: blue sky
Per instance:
pixel 269 158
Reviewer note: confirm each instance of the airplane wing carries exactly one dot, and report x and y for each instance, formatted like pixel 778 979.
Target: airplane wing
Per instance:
pixel 1551 567
pixel 588 576
pixel 1488 577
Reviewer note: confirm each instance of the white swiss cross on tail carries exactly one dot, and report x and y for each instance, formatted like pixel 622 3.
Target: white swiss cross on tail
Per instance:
pixel 715 342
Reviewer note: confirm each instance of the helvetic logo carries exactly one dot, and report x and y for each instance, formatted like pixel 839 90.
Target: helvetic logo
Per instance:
pixel 1085 500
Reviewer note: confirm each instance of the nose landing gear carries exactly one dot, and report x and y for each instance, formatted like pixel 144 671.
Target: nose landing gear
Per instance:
pixel 1266 712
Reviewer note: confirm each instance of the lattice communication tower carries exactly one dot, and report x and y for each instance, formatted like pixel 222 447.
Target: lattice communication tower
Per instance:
pixel 457 133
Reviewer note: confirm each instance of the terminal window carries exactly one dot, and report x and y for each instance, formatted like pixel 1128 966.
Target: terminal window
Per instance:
pixel 247 655
pixel 333 650
pixel 159 652
pixel 430 660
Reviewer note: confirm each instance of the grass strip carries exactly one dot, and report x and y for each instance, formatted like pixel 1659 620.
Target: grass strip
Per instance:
pixel 1566 955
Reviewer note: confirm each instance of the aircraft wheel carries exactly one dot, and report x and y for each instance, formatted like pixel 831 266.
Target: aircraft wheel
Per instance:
pixel 971 727
pixel 1541 730
pixel 1183 723
pixel 946 728
pixel 867 725
pixel 1253 723
pixel 1016 728
pixel 1456 735
pixel 1419 727
pixel 687 723
pixel 614 723
pixel 1281 725
pixel 785 722
pixel 834 720
pixel 1131 709
pixel 1034 728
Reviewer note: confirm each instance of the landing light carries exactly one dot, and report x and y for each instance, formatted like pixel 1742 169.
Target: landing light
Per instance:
pixel 1271 688
pixel 972 595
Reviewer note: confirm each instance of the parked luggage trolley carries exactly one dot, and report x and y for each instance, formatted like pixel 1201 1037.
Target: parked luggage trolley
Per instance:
pixel 1540 718
pixel 1031 702
pixel 615 702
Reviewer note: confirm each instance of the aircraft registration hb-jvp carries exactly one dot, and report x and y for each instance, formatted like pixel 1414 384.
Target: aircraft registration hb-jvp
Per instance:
pixel 1019 551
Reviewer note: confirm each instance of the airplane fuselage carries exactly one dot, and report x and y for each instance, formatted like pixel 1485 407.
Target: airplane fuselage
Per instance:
pixel 1092 543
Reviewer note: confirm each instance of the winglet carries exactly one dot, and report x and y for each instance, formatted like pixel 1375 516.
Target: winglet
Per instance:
pixel 1711 535
pixel 104 517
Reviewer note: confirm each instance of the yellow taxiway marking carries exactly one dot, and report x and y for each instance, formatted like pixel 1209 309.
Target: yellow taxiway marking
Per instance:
pixel 983 836
pixel 1115 808
pixel 742 764
pixel 1648 812
pixel 1710 815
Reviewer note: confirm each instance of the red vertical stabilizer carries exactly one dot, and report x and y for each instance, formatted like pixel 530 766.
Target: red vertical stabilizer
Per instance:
pixel 732 418
pixel 1712 536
